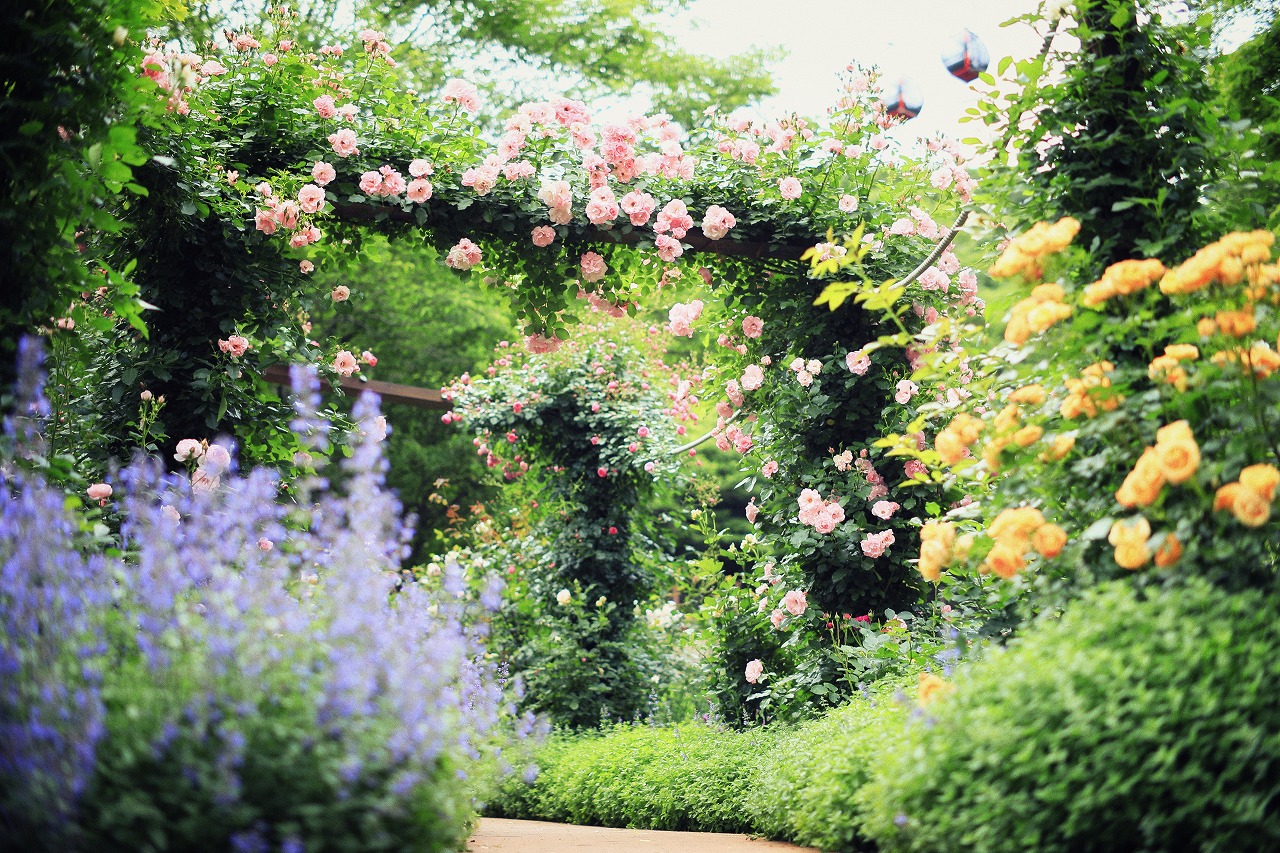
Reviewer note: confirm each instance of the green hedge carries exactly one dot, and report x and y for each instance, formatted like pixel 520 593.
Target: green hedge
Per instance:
pixel 792 783
pixel 1126 725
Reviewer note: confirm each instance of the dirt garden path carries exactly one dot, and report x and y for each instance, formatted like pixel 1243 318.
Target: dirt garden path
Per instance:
pixel 497 835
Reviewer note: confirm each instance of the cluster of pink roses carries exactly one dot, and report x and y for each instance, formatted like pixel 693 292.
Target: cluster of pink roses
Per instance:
pixel 464 255
pixel 794 603
pixel 682 316
pixel 234 346
pixel 384 183
pixel 805 370
pixel 821 515
pixel 875 544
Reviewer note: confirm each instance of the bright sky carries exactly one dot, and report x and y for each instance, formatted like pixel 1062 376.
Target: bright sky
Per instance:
pixel 822 36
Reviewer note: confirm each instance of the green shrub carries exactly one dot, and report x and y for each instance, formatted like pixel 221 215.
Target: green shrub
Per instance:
pixel 690 777
pixel 1129 724
pixel 793 783
pixel 806 790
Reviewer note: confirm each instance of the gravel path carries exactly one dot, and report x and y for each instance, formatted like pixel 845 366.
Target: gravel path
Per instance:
pixel 535 836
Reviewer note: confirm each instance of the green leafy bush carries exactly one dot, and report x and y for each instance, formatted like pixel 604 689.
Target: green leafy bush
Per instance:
pixel 797 783
pixel 811 777
pixel 691 777
pixel 1130 724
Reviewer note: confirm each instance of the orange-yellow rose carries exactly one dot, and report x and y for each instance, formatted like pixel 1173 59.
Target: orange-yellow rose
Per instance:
pixel 1262 478
pixel 1049 540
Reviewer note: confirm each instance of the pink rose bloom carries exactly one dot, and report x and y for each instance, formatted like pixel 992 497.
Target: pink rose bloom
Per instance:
pixel 823 522
pixel 270 59
pixel 370 183
pixel 649 466
pixel 341 293
pixel 344 363
pixel 325 106
pixel 755 669
pixel 602 207
pixel 344 142
pixel 188 449
pixel 213 68
pixel 420 168
pixel 419 190
pixel 752 327
pixel 638 206
pixel 776 617
pixel 790 187
pixel 914 469
pixel 265 222
pixel 906 390
pixel 347 112
pixel 543 235
pixel 265 544
pixel 310 198
pixel 462 93
pixel 323 173
pixel 99 492
pixel 813 366
pixel 805 378
pixel 682 316
pixel 742 442
pixel 169 512
pixel 734 392
pixel 235 346
pixel 674 217
pixel 752 377
pixel 602 471
pixel 306 267
pixel 216 459
pixel 538 344
pixel 752 511
pixel 884 509
pixel 593 267
pixel 463 256
pixel 717 221
pixel 669 248
pixel 902 227
pixel 392 181
pixel 369 358
pixel 848 203
pixel 769 469
pixel 556 194
pixel 795 602
pixel 875 544
pixel 858 363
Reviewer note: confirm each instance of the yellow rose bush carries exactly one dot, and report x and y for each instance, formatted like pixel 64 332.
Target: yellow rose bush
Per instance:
pixel 1126 426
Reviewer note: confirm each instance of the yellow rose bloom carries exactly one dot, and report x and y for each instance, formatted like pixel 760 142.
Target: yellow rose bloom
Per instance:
pixel 950 447
pixel 1206 327
pixel 1131 531
pixel 1182 352
pixel 1178 452
pixel 1251 508
pixel 1028 435
pixel 1005 560
pixel 1225 497
pixel 1007 419
pixel 943 532
pixel 1169 552
pixel 1132 556
pixel 931 688
pixel 1032 395
pixel 1049 540
pixel 1261 478
pixel 1061 446
pixel 1237 324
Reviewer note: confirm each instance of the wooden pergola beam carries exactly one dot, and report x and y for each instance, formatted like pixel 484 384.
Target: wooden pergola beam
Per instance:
pixel 390 392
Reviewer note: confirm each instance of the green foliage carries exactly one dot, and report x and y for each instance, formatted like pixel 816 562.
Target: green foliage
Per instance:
pixel 1123 132
pixel 71 103
pixel 1248 79
pixel 158 788
pixel 808 792
pixel 689 777
pixel 1131 724
pixel 796 783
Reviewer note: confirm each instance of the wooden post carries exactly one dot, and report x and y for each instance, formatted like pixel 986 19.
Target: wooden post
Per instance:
pixel 390 392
